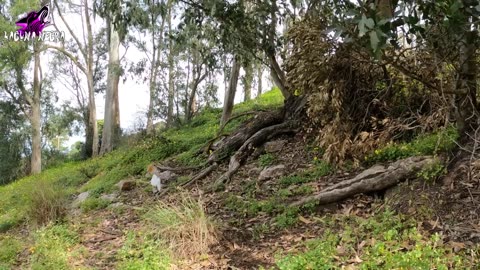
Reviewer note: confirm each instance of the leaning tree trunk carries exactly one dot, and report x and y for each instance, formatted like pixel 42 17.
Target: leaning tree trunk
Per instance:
pixel 110 98
pixel 230 92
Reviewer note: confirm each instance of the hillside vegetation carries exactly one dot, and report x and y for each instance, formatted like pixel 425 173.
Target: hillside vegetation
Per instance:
pixel 245 226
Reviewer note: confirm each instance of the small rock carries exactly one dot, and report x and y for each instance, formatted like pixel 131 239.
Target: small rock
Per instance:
pixel 81 198
pixel 126 185
pixel 275 146
pixel 109 197
pixel 271 172
pixel 167 176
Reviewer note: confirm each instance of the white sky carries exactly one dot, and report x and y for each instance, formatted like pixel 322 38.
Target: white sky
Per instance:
pixel 133 95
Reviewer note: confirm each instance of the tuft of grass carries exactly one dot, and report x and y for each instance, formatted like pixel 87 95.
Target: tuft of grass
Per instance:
pixel 183 226
pixel 432 171
pixel 320 169
pixel 266 160
pixel 47 203
pixel 143 253
pixel 93 203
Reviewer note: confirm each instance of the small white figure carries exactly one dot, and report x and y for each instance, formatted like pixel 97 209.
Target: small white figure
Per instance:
pixel 156 182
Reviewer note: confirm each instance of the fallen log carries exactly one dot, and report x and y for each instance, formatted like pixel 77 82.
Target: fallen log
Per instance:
pixel 376 178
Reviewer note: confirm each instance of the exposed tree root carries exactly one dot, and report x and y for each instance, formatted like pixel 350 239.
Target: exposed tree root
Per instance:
pixel 263 135
pixel 235 117
pixel 258 130
pixel 237 139
pixel 376 178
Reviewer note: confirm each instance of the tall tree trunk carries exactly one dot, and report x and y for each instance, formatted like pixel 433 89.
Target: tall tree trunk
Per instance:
pixel 117 130
pixel 111 97
pixel 35 117
pixel 230 92
pixel 466 86
pixel 191 94
pixel 154 66
pixel 247 81
pixel 171 82
pixel 259 78
pixel 91 140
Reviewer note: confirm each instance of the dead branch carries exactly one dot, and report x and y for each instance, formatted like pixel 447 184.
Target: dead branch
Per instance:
pixel 204 173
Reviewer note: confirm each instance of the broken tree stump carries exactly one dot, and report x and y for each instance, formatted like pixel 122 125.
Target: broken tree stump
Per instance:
pixel 376 178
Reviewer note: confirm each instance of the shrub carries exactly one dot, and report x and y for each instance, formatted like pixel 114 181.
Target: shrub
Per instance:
pixel 432 171
pixel 184 227
pixel 47 202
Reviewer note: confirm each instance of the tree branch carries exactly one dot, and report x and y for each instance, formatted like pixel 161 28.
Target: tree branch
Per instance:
pixel 69 55
pixel 82 50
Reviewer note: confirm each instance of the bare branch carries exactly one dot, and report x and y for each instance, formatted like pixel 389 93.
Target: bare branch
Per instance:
pixel 69 55
pixel 82 49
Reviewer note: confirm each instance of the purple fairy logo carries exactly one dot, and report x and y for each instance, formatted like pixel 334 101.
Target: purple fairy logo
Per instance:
pixel 32 25
pixel 34 22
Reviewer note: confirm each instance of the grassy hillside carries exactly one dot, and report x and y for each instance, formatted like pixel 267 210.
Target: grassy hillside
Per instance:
pixel 38 230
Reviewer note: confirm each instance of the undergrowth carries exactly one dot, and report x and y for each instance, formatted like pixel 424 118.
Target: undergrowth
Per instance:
pixel 426 144
pixel 384 241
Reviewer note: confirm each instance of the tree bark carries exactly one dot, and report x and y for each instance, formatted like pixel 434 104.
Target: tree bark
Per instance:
pixel 111 97
pixel 230 93
pixel 91 141
pixel 259 78
pixel 247 81
pixel 171 71
pixel 466 86
pixel 35 117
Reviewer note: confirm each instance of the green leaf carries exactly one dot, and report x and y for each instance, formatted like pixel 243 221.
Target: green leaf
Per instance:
pixel 361 26
pixel 374 40
pixel 370 23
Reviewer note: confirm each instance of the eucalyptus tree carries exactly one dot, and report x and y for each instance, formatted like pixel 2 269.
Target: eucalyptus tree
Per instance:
pixel 81 52
pixel 15 59
pixel 196 36
pixel 119 16
pixel 150 41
